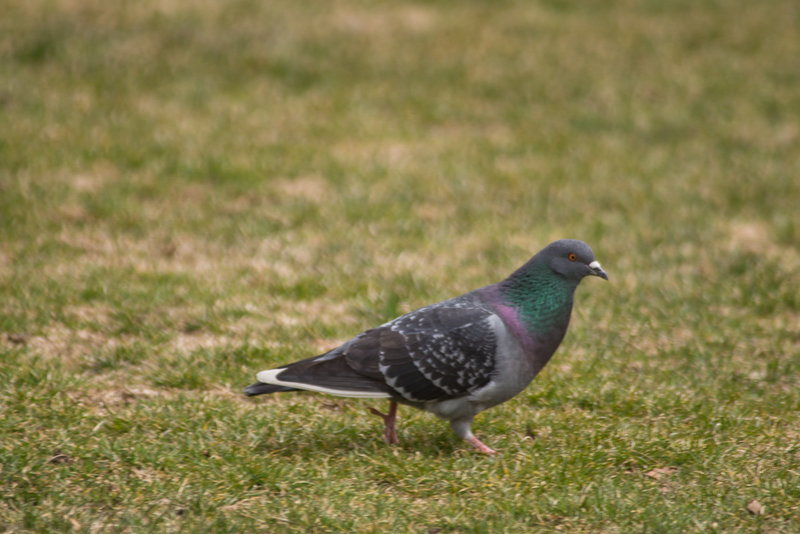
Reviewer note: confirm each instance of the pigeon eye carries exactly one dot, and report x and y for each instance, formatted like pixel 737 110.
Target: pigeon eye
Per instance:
pixel 572 256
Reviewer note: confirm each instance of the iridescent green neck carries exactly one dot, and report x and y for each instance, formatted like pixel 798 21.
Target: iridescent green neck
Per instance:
pixel 544 299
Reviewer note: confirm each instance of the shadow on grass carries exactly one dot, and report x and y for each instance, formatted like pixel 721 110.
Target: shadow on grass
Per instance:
pixel 309 442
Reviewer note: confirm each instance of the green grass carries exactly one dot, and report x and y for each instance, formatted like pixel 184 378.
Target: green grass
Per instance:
pixel 191 192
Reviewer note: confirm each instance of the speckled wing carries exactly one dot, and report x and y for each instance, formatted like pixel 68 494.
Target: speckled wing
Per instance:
pixel 435 353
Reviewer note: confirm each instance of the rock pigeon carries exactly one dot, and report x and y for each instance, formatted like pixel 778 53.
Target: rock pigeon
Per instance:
pixel 457 357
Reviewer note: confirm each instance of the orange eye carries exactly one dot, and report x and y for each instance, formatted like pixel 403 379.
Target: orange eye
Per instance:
pixel 572 256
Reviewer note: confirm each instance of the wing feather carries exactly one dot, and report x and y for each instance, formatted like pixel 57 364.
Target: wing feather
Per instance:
pixel 434 353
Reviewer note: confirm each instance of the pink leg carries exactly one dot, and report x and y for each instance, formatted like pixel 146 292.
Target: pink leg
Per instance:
pixel 389 431
pixel 478 444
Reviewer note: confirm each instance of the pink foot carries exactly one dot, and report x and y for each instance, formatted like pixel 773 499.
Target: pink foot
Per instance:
pixel 478 444
pixel 389 431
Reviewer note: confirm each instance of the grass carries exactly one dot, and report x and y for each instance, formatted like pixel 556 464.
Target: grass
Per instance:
pixel 191 192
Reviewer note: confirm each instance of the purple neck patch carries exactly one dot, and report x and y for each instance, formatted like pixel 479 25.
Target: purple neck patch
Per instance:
pixel 510 316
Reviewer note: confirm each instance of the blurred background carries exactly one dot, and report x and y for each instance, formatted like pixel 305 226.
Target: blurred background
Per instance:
pixel 191 191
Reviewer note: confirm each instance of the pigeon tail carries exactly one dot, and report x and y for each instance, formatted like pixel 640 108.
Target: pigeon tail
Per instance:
pixel 260 388
pixel 328 373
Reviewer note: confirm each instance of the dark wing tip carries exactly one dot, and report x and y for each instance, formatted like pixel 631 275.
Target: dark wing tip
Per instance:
pixel 260 388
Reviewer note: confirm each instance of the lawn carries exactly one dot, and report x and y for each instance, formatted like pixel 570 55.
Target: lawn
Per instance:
pixel 191 192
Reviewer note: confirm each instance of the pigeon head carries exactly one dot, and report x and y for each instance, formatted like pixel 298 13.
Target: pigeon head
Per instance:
pixel 542 289
pixel 571 259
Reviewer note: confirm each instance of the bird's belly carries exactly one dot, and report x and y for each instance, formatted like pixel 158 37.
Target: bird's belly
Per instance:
pixel 468 406
pixel 514 370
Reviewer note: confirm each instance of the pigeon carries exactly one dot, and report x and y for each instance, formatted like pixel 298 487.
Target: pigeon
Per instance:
pixel 457 357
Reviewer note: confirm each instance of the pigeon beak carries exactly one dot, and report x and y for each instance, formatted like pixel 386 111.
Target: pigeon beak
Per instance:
pixel 597 270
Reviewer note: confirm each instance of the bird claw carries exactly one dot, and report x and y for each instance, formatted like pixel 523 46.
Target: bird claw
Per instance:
pixel 478 444
pixel 389 430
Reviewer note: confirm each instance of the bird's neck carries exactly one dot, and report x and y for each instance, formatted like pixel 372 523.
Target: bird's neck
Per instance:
pixel 543 301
